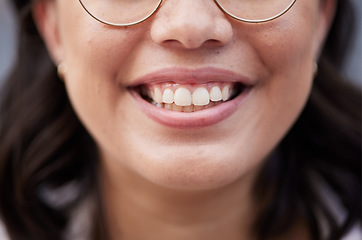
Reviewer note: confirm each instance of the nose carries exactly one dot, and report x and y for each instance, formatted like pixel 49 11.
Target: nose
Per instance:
pixel 191 24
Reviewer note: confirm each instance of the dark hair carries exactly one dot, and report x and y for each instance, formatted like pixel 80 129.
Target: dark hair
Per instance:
pixel 44 146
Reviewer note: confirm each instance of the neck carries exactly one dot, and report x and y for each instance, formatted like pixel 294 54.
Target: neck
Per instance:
pixel 138 209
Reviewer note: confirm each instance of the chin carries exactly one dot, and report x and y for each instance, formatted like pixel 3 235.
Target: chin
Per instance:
pixel 190 170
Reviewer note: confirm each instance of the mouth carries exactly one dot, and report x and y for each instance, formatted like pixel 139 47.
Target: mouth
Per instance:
pixel 189 97
pixel 185 98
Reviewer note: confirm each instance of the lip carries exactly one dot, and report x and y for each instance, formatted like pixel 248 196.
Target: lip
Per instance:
pixel 202 118
pixel 189 76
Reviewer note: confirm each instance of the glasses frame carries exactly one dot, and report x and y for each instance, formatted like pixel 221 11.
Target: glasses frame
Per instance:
pixel 161 1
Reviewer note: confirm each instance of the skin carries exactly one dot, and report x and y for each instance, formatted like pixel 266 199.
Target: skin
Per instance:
pixel 186 184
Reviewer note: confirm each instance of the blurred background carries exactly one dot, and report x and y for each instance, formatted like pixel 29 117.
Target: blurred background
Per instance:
pixel 353 67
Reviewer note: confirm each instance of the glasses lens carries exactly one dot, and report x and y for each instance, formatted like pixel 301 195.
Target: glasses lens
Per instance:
pixel 120 12
pixel 255 10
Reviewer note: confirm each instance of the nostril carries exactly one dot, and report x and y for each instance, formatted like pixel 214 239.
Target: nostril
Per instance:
pixel 190 42
pixel 191 29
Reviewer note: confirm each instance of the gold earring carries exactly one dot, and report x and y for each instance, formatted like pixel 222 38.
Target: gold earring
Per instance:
pixel 61 70
pixel 315 69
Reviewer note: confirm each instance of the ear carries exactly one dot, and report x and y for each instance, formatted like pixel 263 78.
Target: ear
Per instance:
pixel 46 19
pixel 327 9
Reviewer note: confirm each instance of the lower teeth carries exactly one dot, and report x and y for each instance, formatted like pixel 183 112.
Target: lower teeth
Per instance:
pixel 191 108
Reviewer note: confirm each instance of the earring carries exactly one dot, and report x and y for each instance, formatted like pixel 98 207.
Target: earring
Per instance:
pixel 315 68
pixel 61 70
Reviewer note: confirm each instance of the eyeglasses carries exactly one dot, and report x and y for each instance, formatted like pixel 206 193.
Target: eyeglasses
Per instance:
pixel 123 13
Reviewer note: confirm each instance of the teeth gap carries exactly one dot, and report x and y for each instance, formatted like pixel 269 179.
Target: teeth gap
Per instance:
pixel 237 89
pixel 144 95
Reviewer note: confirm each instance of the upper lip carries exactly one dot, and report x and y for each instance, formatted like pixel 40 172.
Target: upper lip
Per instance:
pixel 191 76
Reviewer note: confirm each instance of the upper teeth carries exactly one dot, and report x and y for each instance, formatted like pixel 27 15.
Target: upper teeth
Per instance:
pixel 187 95
pixel 216 95
pixel 200 97
pixel 182 97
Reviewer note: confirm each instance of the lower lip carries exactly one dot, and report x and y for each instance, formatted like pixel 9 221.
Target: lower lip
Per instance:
pixel 202 118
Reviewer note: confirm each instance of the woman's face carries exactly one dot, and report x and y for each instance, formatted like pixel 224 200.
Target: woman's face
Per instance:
pixel 187 44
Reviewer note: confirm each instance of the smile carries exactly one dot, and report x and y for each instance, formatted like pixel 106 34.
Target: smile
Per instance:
pixel 189 97
pixel 193 98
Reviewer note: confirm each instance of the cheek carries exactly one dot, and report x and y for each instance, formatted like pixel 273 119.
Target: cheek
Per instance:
pixel 285 50
pixel 96 58
pixel 91 49
pixel 286 47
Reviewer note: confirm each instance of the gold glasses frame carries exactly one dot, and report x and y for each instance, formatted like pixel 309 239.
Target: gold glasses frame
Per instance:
pixel 216 1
